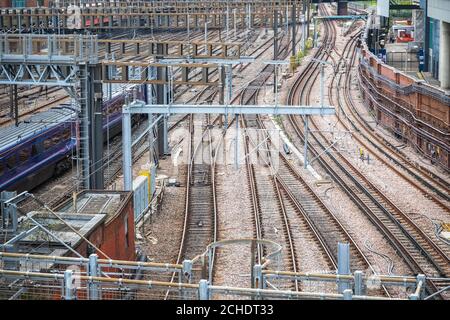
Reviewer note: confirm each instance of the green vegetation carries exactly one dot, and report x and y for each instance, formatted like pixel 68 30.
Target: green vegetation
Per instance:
pixel 277 119
pixel 279 122
pixel 301 54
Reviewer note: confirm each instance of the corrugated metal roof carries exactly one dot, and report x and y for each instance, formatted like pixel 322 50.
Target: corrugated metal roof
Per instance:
pixel 35 124
pixel 96 202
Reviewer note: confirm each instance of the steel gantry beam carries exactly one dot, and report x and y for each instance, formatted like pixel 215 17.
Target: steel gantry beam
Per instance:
pixel 138 107
pixel 69 62
pixel 45 59
pixel 147 47
pixel 343 17
pixel 177 16
pixel 139 71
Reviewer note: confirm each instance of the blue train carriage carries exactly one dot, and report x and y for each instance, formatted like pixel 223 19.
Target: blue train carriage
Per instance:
pixel 112 106
pixel 41 147
pixel 37 148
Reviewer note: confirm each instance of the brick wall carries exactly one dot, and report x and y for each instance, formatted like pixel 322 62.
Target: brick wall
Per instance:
pixel 115 240
pixel 417 113
pixel 5 3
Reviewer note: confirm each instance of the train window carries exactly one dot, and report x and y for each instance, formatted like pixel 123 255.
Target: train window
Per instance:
pixel 2 169
pixel 67 134
pixel 24 155
pixel 34 150
pixel 47 143
pixel 56 139
pixel 11 162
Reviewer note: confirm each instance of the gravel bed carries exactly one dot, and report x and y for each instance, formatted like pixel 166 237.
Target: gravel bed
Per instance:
pixel 163 230
pixel 233 262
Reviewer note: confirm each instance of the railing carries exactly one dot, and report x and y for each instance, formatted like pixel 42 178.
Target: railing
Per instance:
pixel 48 48
pixel 70 285
pixel 53 277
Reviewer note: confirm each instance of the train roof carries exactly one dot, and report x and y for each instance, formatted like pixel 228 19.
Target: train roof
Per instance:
pixel 45 120
pixel 116 90
pixel 34 125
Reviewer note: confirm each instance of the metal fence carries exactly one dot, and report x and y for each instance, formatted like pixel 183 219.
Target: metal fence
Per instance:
pixel 25 276
pixel 41 48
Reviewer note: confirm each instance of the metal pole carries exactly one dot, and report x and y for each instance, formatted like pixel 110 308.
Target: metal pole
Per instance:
pixel 187 269
pixel 165 124
pixel 203 290
pixel 84 116
pixel 307 17
pixel 257 277
pixel 229 80
pixel 206 37
pixel 358 283
pixel 126 150
pixel 315 33
pixel 305 165
pixel 276 83
pixel 252 263
pixel 221 87
pixel 68 285
pixel 11 101
pixel 96 124
pixel 188 29
pixel 322 80
pixel 347 294
pixel 248 18
pixel 294 25
pixel 236 146
pixel 275 44
pixel 16 106
pixel 161 74
pixel 151 139
pixel 421 282
pixel 228 22
pixel 287 20
pixel 343 265
pixel 92 271
pixel 234 20
pixel 210 265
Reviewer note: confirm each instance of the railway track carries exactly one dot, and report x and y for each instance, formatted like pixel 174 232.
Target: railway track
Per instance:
pixel 201 205
pixel 200 219
pixel 269 210
pixel 433 187
pixel 282 196
pixel 200 215
pixel 309 211
pixel 271 221
pixel 420 253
